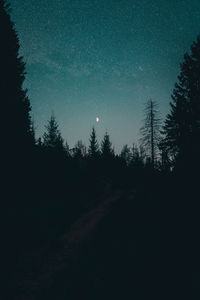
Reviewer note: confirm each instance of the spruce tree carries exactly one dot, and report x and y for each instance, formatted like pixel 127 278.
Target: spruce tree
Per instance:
pixel 136 156
pixel 79 150
pixel 125 154
pixel 15 105
pixel 67 150
pixel 93 150
pixel 106 147
pixel 107 159
pixel 182 125
pixel 52 137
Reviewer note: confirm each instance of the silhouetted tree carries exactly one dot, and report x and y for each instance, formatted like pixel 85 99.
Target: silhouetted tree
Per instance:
pixel 17 131
pixel 137 158
pixel 79 154
pixel 126 154
pixel 166 159
pixel 151 131
pixel 182 141
pixel 107 151
pixel 52 138
pixel 15 105
pixel 182 125
pixel 67 150
pixel 93 150
pixel 79 150
pixel 107 167
pixel 93 162
pixel 136 164
pixel 17 136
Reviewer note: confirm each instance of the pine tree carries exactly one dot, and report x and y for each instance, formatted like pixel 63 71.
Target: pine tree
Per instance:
pixel 67 150
pixel 166 159
pixel 136 156
pixel 182 125
pixel 79 150
pixel 151 131
pixel 93 150
pixel 15 105
pixel 52 137
pixel 107 151
pixel 125 154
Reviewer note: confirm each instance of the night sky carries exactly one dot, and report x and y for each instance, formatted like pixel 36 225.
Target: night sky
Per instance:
pixel 105 58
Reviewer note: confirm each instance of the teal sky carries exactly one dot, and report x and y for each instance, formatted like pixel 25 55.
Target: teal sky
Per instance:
pixel 105 58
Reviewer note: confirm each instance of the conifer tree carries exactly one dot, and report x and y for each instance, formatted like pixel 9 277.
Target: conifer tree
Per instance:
pixel 136 157
pixel 126 154
pixel 93 150
pixel 52 137
pixel 15 105
pixel 79 150
pixel 107 151
pixel 182 125
pixel 67 150
pixel 151 131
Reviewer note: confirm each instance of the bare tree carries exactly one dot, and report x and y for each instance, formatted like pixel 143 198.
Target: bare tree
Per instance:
pixel 151 131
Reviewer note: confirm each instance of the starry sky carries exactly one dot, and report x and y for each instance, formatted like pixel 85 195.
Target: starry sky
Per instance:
pixel 102 58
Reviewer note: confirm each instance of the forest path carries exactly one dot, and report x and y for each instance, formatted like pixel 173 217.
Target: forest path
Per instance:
pixel 42 266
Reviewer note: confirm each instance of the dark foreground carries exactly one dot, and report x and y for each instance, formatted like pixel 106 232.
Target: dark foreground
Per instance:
pixel 134 253
pixel 131 246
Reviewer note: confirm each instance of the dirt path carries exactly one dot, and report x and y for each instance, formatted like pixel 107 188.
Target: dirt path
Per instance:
pixel 41 267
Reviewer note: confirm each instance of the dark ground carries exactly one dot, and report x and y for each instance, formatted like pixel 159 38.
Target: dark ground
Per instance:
pixel 134 253
pixel 129 247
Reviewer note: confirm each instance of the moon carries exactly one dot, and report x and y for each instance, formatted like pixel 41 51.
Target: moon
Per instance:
pixel 97 119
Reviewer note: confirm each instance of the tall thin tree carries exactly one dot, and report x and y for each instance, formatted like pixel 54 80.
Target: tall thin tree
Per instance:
pixel 93 150
pixel 107 151
pixel 151 131
pixel 125 154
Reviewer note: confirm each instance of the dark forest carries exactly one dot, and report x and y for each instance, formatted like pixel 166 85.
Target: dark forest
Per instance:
pixel 90 223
